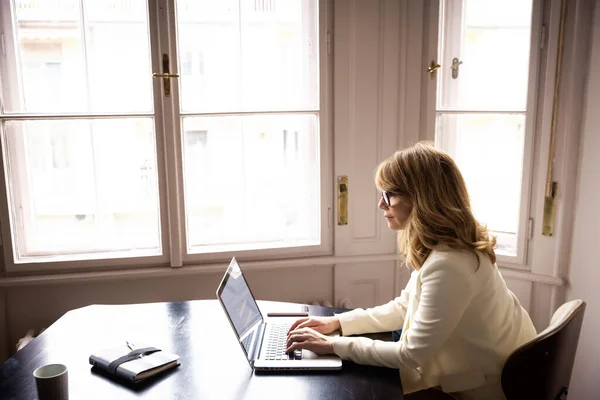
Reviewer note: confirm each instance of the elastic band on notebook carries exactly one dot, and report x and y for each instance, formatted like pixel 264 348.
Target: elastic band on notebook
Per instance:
pixel 112 367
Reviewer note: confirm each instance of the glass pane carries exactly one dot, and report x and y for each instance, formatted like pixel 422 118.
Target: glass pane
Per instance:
pixel 118 53
pixel 251 182
pixel 250 55
pixel 488 149
pixel 83 186
pixel 50 59
pixel 52 50
pixel 492 42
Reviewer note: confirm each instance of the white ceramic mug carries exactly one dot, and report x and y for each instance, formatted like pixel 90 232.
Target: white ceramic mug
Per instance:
pixel 52 382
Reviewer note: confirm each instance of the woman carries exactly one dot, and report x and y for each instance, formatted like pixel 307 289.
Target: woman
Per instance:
pixel 459 321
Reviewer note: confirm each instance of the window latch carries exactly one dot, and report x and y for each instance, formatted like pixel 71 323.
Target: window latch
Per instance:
pixel 433 67
pixel 166 75
pixel 342 200
pixel 455 64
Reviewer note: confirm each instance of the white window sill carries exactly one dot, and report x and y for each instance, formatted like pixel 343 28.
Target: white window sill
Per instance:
pixel 200 269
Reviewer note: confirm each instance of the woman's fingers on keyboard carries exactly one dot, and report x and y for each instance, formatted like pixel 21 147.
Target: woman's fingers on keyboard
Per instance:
pixel 297 323
pixel 296 337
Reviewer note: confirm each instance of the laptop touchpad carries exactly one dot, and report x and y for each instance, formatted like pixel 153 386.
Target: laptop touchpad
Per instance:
pixel 309 355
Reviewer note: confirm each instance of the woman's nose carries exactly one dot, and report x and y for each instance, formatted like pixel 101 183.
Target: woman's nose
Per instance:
pixel 382 204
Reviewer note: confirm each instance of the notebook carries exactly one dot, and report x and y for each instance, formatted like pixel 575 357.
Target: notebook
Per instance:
pixel 133 363
pixel 263 340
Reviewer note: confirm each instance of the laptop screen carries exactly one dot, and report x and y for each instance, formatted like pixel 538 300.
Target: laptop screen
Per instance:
pixel 237 299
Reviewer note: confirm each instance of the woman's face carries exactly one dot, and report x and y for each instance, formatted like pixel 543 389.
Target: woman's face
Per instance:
pixel 397 213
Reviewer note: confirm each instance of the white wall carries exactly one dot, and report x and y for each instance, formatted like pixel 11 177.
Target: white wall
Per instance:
pixel 585 266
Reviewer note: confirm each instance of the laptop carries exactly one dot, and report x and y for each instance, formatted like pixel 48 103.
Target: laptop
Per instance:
pixel 263 340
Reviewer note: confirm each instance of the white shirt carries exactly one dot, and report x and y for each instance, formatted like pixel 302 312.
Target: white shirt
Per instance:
pixel 459 324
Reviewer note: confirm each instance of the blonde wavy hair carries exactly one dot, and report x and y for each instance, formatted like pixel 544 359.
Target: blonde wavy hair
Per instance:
pixel 441 216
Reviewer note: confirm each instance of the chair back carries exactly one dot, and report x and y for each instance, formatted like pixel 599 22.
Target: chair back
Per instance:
pixel 541 369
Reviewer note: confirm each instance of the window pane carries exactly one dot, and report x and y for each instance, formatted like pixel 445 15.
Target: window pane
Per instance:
pixel 488 149
pixel 83 186
pixel 50 59
pixel 118 53
pixel 250 55
pixel 251 182
pixel 51 53
pixel 492 41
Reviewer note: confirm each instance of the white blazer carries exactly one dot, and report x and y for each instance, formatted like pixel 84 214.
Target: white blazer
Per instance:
pixel 459 324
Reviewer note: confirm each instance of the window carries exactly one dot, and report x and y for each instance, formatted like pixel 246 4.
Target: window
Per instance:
pixel 192 63
pixel 484 109
pixel 187 62
pixel 100 163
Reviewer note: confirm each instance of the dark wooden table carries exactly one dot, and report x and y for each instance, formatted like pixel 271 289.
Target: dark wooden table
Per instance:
pixel 213 365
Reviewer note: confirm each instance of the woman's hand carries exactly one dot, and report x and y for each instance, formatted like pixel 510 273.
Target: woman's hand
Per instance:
pixel 309 339
pixel 323 325
pixel 309 333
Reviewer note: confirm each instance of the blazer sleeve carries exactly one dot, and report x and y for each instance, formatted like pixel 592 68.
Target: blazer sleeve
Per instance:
pixel 384 318
pixel 446 291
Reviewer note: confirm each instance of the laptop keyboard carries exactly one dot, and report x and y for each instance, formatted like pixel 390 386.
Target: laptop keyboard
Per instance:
pixel 248 340
pixel 277 343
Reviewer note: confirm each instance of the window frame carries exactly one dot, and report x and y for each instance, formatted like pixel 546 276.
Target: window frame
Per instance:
pixel 437 13
pixel 169 153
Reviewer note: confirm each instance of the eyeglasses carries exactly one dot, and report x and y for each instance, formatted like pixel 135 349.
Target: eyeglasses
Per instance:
pixel 386 197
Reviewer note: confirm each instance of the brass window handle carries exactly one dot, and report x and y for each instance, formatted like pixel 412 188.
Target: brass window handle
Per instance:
pixel 166 75
pixel 455 64
pixel 342 200
pixel 433 68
